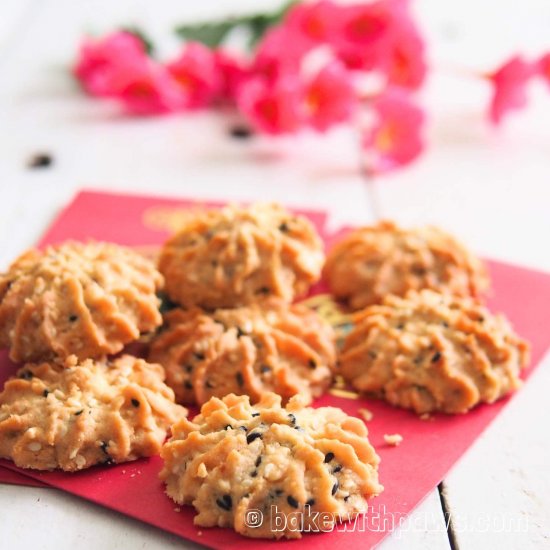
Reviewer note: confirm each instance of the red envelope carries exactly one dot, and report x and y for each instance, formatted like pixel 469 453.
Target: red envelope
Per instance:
pixel 409 472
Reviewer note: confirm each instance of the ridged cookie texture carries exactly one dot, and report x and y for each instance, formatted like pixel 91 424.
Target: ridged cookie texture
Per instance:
pixel 287 349
pixel 433 352
pixel 374 261
pixel 77 299
pixel 73 415
pixel 268 471
pixel 236 256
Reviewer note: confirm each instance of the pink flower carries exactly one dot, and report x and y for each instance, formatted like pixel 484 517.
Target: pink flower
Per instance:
pixel 146 88
pixel 330 97
pixel 395 138
pixel 196 71
pixel 543 67
pixel 99 59
pixel 314 21
pixel 509 87
pixel 362 33
pixel 279 53
pixel 233 73
pixel 272 107
pixel 405 64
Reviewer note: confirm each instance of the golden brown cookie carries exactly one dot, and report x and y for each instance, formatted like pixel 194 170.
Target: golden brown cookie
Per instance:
pixel 371 262
pixel 261 469
pixel 237 256
pixel 77 299
pixel 287 349
pixel 74 415
pixel 433 352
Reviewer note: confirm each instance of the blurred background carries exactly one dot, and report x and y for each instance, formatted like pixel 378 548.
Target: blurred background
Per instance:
pixel 478 182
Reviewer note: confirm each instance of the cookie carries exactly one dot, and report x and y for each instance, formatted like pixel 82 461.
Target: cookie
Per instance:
pixel 73 415
pixel 287 349
pixel 433 352
pixel 374 261
pixel 268 471
pixel 236 256
pixel 77 299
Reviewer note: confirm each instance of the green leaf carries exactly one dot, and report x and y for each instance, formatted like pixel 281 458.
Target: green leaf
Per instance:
pixel 210 34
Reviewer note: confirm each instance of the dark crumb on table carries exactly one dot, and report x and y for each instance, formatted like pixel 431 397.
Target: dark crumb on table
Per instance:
pixel 40 160
pixel 240 131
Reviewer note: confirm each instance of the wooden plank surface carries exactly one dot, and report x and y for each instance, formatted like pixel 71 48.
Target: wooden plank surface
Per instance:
pixel 492 190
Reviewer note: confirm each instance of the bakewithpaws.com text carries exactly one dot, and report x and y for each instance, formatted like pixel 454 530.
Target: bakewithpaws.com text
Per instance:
pixel 378 519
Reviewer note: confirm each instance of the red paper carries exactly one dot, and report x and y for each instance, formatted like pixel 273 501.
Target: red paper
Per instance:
pixel 408 472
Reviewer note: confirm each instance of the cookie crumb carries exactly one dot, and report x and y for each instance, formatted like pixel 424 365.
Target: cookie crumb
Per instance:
pixel 202 471
pixel 393 439
pixel 366 414
pixel 178 510
pixel 426 416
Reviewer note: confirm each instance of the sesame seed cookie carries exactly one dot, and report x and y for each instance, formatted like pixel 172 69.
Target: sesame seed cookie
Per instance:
pixel 268 471
pixel 374 261
pixel 236 256
pixel 71 416
pixel 433 352
pixel 77 299
pixel 287 349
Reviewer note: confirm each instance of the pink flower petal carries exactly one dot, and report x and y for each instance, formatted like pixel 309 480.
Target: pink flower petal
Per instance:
pixel 196 71
pixel 509 87
pixel 395 139
pixel 330 97
pixel 272 107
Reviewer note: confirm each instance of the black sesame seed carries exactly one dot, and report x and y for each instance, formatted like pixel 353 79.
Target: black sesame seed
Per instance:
pixel 310 502
pixel 436 357
pixel 279 492
pixel 78 413
pixel 135 403
pixel 199 356
pixel 258 461
pixel 225 502
pixel 283 227
pixel 292 418
pixel 240 332
pixel 188 368
pixel 242 428
pixel 209 384
pixel 263 290
pixel 337 469
pixel 445 324
pixel 329 457
pixel 73 318
pixel 346 498
pixel 253 436
pixel 240 379
pixel 26 375
pixel 312 364
pixel 188 385
pixel 373 354
pixel 104 447
pixel 254 415
pixel 299 428
pixel 46 393
pixel 40 160
pixel 481 319
pixel 335 488
pixel 400 326
pixel 417 360
pixel 292 501
pixel 254 473
pixel 240 132
pixel 265 368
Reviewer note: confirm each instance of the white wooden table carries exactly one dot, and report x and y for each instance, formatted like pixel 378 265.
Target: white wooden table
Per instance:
pixel 493 190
